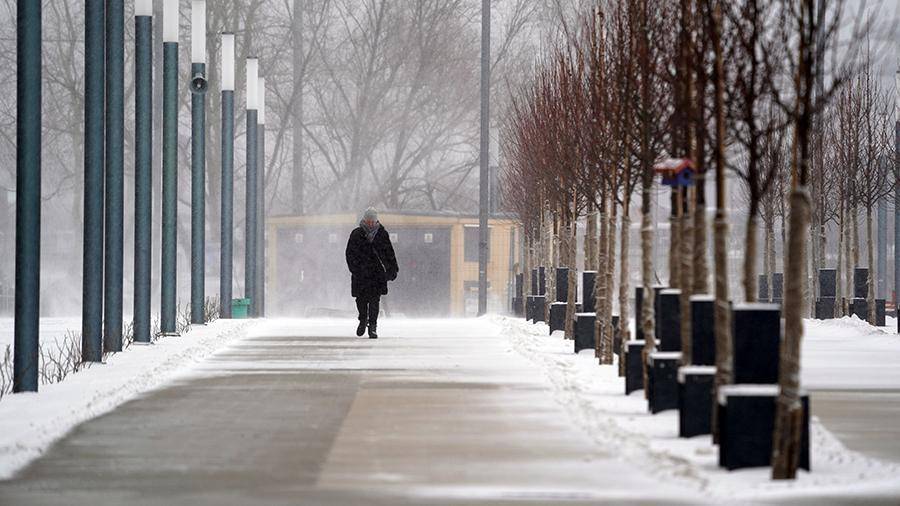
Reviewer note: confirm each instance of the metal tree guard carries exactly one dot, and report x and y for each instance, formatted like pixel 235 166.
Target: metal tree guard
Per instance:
pixel 252 181
pixel 261 211
pixel 28 195
pixel 170 167
pixel 198 160
pixel 115 175
pixel 143 166
pixel 226 268
pixel 94 106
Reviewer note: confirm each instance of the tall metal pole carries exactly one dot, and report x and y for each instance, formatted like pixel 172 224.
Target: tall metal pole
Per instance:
pixel 226 268
pixel 94 105
pixel 170 168
pixel 251 202
pixel 897 204
pixel 484 177
pixel 115 174
pixel 881 262
pixel 143 166
pixel 261 211
pixel 28 195
pixel 198 161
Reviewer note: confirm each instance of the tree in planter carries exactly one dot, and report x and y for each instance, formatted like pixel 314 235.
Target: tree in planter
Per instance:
pixel 806 32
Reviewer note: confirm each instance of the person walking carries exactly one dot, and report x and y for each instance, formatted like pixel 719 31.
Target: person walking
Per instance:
pixel 372 263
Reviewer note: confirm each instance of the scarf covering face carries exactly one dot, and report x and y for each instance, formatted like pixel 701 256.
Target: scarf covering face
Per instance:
pixel 370 231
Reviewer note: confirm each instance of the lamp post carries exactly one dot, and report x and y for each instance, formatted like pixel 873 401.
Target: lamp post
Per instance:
pixel 28 195
pixel 115 174
pixel 484 177
pixel 169 168
pixel 261 211
pixel 226 268
pixel 198 160
pixel 251 186
pixel 94 106
pixel 143 166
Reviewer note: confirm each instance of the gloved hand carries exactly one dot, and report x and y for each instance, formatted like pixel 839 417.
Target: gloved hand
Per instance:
pixel 392 276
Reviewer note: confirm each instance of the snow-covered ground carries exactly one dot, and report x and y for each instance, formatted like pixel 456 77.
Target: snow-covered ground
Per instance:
pixel 51 329
pixel 29 423
pixel 843 354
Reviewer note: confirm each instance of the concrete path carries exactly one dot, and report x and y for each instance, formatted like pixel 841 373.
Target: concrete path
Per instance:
pixel 867 421
pixel 299 413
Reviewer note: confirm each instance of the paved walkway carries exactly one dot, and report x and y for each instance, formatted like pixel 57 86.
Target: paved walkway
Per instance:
pixel 300 414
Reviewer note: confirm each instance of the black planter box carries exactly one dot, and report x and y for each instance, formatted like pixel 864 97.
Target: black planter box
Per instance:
pixel 746 422
pixel 657 291
pixel 520 285
pixel 634 366
pixel 557 316
pixel 540 303
pixel 663 379
pixel 860 283
pixel 777 287
pixel 529 308
pixel 562 284
pixel 825 308
pixel 638 308
pixel 756 332
pixel 695 400
pixel 827 283
pixel 617 336
pixel 703 335
pixel 584 331
pixel 669 321
pixel 860 308
pixel 763 291
pixel 518 307
pixel 880 312
pixel 588 299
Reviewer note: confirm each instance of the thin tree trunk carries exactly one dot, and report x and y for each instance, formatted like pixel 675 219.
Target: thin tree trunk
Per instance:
pixel 687 276
pixel 770 256
pixel 722 308
pixel 609 271
pixel 590 239
pixel 701 243
pixel 848 260
pixel 870 250
pixel 572 236
pixel 839 274
pixel 786 436
pixel 600 283
pixel 751 287
pixel 675 240
pixel 624 315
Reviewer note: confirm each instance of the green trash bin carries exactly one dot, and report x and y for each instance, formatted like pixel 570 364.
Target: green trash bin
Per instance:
pixel 240 308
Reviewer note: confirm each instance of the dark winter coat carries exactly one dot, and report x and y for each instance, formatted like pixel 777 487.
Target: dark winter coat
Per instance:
pixel 372 264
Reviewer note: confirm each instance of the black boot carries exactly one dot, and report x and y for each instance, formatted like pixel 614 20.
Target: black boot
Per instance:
pixel 361 329
pixel 373 331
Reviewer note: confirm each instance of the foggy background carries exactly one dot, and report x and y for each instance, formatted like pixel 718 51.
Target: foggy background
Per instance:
pixel 369 102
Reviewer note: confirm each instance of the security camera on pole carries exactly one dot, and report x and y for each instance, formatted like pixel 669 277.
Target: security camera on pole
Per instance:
pixel 143 167
pixel 251 203
pixel 227 224
pixel 198 160
pixel 170 169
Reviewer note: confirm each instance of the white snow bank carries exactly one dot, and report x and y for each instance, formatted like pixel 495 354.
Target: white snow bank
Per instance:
pixel 30 423
pixel 594 397
pixel 850 354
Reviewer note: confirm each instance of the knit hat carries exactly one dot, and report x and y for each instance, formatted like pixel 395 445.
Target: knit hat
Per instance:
pixel 370 215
